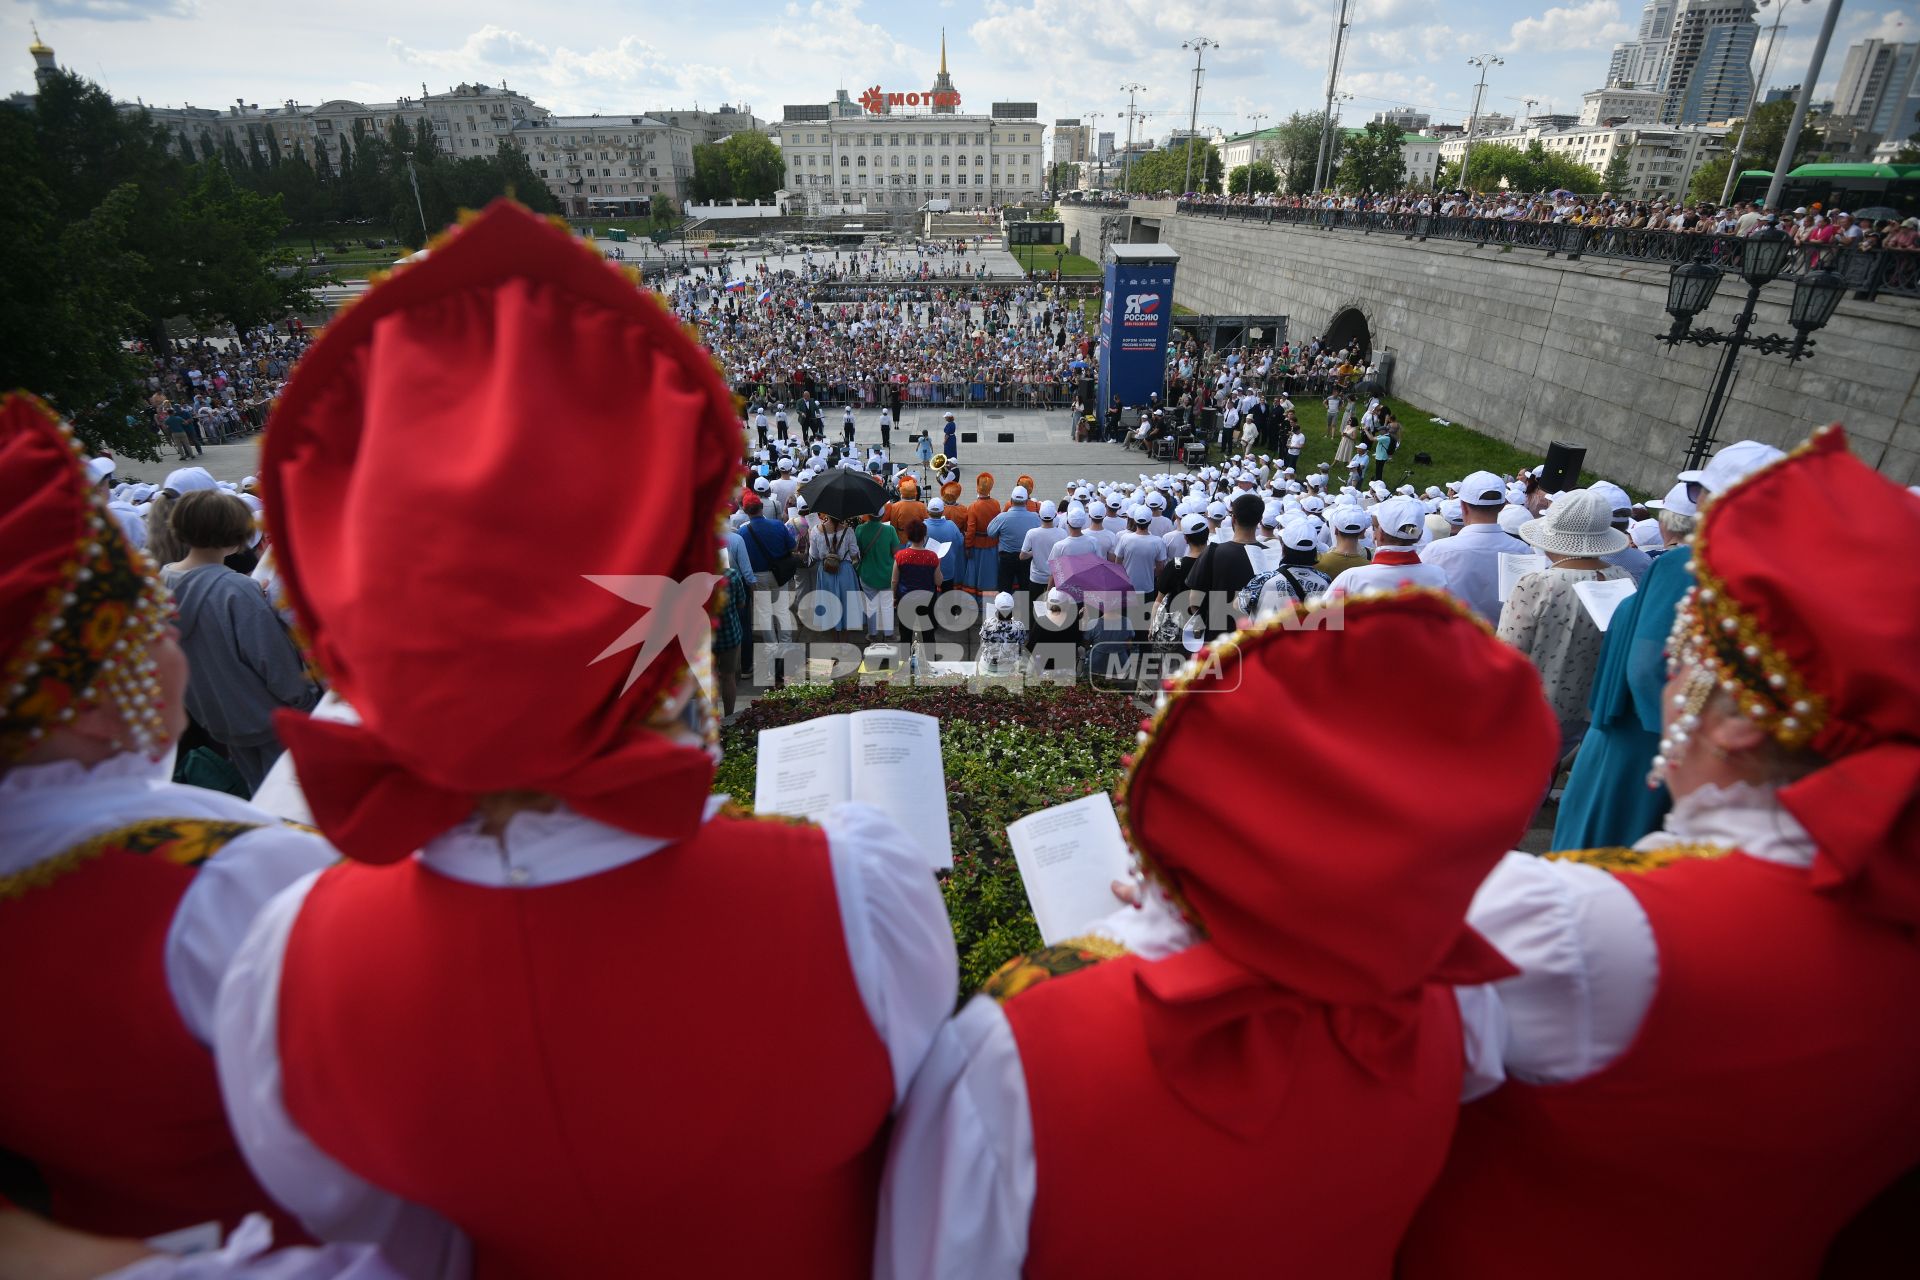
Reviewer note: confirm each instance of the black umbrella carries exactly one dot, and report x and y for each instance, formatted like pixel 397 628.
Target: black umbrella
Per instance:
pixel 843 494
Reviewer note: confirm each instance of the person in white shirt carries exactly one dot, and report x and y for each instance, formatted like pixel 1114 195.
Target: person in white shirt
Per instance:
pixel 1471 557
pixel 1398 524
pixel 1038 545
pixel 1140 553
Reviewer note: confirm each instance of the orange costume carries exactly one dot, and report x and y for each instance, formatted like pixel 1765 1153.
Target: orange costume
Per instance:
pixel 904 510
pixel 983 550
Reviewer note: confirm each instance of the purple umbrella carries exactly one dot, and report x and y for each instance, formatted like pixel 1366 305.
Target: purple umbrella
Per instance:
pixel 1081 576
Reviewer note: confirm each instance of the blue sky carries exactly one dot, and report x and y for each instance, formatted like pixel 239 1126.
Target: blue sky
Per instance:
pixel 1071 56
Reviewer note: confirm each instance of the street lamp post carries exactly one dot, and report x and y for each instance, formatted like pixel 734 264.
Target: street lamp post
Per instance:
pixel 1126 157
pixel 1340 26
pixel 1691 286
pixel 1254 152
pixel 1100 161
pixel 1199 45
pixel 1482 61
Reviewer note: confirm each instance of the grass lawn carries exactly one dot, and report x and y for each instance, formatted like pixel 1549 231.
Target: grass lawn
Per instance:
pixel 1040 257
pixel 1455 450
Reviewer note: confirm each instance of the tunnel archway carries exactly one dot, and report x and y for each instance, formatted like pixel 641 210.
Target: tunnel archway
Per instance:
pixel 1349 324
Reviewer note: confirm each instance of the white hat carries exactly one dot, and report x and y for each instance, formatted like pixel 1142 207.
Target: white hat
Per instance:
pixel 1299 535
pixel 1098 511
pixel 1512 518
pixel 949 413
pixel 1216 510
pixel 1406 491
pixel 1141 513
pixel 1350 519
pixel 1379 487
pixel 1272 514
pixel 1004 602
pixel 1676 501
pixel 786 464
pixel 1077 518
pixel 1735 463
pixel 1614 494
pixel 1193 523
pixel 1019 493
pixel 1483 489
pixel 100 468
pixel 936 507
pixel 1401 517
pixel 1451 509
pixel 186 479
pixel 1156 500
pixel 1047 510
pixel 1646 535
pixel 1313 504
pixel 1435 492
pixel 253 503
pixel 760 484
pixel 1579 523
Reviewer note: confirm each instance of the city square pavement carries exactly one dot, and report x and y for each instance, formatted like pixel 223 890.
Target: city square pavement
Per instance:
pixel 1042 447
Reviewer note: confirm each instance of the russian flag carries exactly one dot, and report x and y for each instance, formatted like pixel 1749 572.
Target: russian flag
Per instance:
pixel 764 295
pixel 736 286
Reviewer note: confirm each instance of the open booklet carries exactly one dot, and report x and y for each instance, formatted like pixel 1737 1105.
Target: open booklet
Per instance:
pixel 1515 566
pixel 1603 597
pixel 1069 856
pixel 888 759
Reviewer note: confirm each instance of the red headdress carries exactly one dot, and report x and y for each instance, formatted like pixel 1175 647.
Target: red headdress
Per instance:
pixel 79 607
pixel 1820 649
pixel 1359 915
pixel 480 475
pixel 983 483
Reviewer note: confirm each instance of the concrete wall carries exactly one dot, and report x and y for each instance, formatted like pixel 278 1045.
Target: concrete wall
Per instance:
pixel 1532 349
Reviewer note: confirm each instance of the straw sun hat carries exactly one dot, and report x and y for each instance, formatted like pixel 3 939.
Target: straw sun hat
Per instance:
pixel 1579 523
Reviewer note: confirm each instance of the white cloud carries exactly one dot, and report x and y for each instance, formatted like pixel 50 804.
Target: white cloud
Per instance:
pixel 1593 25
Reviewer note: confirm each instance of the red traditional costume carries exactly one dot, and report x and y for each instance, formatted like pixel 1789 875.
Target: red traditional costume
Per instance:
pixel 582 1041
pixel 1713 1039
pixel 122 896
pixel 1277 1096
pixel 983 549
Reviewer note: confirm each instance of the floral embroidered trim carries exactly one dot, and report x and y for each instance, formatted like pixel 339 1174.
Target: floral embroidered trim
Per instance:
pixel 1025 972
pixel 1622 859
pixel 93 634
pixel 1713 632
pixel 185 842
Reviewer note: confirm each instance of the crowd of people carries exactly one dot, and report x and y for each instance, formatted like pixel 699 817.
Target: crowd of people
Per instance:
pixel 447 994
pixel 782 344
pixel 1805 224
pixel 212 391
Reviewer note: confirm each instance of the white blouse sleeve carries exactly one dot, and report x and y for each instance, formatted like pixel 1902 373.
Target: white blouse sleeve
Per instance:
pixel 218 907
pixel 249 1255
pixel 334 1203
pixel 1587 959
pixel 897 932
pixel 958 1193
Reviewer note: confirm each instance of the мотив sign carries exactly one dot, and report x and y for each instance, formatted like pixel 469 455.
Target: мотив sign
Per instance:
pixel 877 101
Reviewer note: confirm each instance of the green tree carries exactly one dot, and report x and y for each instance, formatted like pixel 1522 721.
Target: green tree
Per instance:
pixel 1908 154
pixel 1372 159
pixel 1064 176
pixel 1529 169
pixel 754 168
pixel 1766 133
pixel 711 180
pixel 1167 168
pixel 1295 149
pixel 1257 178
pixel 1614 178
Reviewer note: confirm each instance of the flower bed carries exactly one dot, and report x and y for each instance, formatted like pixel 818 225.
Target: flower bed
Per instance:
pixel 1006 755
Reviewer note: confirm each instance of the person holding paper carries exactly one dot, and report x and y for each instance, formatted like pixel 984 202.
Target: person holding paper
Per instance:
pixel 1278 1081
pixel 1711 1043
pixel 1543 616
pixel 558 1014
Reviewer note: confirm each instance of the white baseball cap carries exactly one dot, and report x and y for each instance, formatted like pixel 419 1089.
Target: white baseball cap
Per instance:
pixel 1350 519
pixel 1077 518
pixel 1141 513
pixel 1614 494
pixel 100 468
pixel 1098 511
pixel 936 507
pixel 1047 510
pixel 1156 500
pixel 1019 493
pixel 1194 523
pixel 1733 464
pixel 1512 517
pixel 1676 501
pixel 1451 508
pixel 760 484
pixel 1217 511
pixel 1004 602
pixel 1299 535
pixel 1483 489
pixel 1401 517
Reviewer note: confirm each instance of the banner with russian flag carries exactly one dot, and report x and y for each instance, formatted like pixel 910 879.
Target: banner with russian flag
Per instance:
pixel 764 295
pixel 736 286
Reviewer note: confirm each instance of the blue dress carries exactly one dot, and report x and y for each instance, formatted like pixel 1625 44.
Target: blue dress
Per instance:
pixel 837 601
pixel 1607 802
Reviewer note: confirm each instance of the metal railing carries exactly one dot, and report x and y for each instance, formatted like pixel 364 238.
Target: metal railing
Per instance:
pixel 973 393
pixel 1868 272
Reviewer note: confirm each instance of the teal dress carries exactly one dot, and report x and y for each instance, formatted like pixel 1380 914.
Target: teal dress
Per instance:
pixel 1607 802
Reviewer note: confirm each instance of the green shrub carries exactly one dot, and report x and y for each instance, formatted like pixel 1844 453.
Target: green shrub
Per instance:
pixel 1006 754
